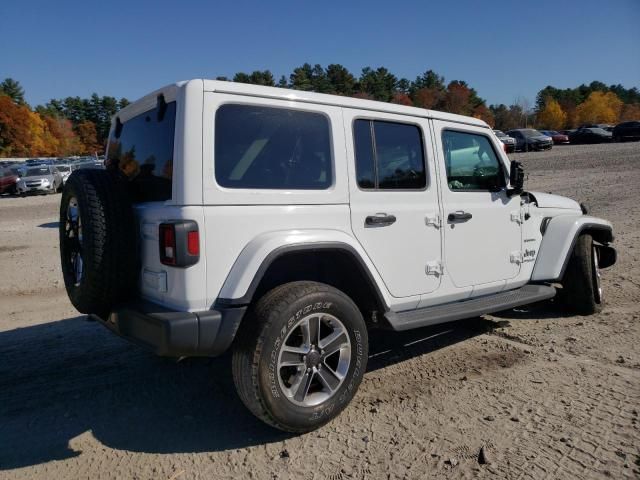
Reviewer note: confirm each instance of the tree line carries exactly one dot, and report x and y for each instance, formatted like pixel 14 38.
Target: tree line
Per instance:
pixel 428 90
pixel 554 108
pixel 64 127
pixel 80 126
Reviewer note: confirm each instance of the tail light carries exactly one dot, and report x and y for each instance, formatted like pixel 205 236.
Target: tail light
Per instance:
pixel 179 243
pixel 504 147
pixel 193 243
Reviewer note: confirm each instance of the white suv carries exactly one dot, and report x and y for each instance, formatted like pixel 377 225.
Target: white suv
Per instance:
pixel 285 224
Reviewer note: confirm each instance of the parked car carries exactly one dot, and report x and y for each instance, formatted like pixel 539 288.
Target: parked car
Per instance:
pixel 626 131
pixel 557 137
pixel 604 126
pixel 590 135
pixel 567 132
pixel 529 139
pixel 65 170
pixel 40 179
pixel 278 233
pixel 509 142
pixel 8 180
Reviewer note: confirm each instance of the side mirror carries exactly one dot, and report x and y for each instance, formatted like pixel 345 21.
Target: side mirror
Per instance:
pixel 516 179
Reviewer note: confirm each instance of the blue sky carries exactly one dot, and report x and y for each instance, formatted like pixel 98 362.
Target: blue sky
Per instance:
pixel 504 49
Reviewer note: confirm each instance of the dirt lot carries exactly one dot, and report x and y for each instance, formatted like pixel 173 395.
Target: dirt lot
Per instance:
pixel 547 396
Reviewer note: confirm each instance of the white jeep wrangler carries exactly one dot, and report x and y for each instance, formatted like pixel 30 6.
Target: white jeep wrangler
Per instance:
pixel 284 225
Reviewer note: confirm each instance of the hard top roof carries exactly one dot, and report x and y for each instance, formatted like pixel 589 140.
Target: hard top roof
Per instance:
pixel 170 92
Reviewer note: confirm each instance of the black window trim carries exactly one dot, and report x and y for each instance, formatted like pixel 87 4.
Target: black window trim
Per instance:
pixel 425 157
pixel 493 147
pixel 329 188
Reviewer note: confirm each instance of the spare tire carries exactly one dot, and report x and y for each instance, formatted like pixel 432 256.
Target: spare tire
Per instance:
pixel 98 241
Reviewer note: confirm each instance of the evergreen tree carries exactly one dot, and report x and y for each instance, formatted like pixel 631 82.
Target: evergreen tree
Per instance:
pixel 380 83
pixel 342 81
pixel 301 78
pixel 13 90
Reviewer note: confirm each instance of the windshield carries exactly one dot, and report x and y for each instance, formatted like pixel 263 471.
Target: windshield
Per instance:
pixel 530 132
pixel 499 133
pixel 37 171
pixel 63 168
pixel 601 131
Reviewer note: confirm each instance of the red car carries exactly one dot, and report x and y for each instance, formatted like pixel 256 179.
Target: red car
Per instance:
pixel 558 138
pixel 8 181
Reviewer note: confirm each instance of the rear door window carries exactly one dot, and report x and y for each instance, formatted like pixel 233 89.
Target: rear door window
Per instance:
pixel 272 148
pixel 142 150
pixel 389 155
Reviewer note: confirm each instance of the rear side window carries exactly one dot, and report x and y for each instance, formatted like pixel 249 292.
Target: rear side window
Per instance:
pixel 272 148
pixel 389 155
pixel 142 149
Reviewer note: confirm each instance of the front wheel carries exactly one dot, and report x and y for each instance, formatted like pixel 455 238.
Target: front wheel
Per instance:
pixel 301 355
pixel 581 285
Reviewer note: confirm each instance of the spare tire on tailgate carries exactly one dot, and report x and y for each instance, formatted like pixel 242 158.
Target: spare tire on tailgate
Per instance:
pixel 98 241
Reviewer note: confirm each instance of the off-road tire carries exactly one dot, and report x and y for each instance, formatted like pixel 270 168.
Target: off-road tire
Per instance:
pixel 579 292
pixel 261 334
pixel 109 243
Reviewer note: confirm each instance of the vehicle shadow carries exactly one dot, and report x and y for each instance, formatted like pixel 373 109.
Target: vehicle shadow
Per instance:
pixel 49 225
pixel 536 311
pixel 63 380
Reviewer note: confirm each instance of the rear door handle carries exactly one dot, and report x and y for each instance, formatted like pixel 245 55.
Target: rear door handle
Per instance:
pixel 459 216
pixel 380 220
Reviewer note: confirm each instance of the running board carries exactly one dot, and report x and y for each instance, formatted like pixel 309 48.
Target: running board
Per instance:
pixel 469 308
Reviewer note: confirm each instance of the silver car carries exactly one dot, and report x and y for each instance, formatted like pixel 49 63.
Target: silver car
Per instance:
pixel 40 179
pixel 65 170
pixel 509 142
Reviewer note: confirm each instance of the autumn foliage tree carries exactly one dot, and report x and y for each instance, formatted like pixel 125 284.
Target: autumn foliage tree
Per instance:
pixel 599 107
pixel 73 126
pixel 630 111
pixel 483 113
pixel 457 98
pixel 428 98
pixel 16 138
pixel 88 137
pixel 552 116
pixel 401 99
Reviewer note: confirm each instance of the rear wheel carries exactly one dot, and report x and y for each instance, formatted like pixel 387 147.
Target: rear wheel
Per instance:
pixel 301 355
pixel 582 291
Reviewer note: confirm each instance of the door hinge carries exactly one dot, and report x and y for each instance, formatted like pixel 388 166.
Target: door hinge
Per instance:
pixel 518 216
pixel 434 268
pixel 432 220
pixel 516 257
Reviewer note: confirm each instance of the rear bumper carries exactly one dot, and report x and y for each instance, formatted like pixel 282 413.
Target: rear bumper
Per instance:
pixel 175 334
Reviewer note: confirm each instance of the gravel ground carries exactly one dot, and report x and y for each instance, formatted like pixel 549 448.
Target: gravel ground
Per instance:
pixel 543 395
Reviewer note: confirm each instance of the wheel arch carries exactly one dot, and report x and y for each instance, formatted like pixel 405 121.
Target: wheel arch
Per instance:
pixel 560 237
pixel 334 262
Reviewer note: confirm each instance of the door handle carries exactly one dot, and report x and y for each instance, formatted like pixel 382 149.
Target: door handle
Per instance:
pixel 380 220
pixel 459 216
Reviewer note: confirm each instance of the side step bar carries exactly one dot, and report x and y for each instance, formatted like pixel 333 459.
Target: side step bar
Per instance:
pixel 469 308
